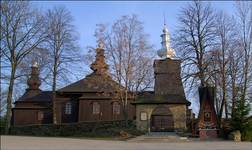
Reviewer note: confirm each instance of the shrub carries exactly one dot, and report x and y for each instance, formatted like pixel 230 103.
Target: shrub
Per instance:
pixel 241 121
pixel 90 129
pixel 246 133
pixel 2 124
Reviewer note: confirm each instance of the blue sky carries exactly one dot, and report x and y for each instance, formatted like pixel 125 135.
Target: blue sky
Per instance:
pixel 87 14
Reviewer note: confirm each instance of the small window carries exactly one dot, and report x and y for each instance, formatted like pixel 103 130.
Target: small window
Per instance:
pixel 116 108
pixel 68 108
pixel 40 115
pixel 207 116
pixel 96 108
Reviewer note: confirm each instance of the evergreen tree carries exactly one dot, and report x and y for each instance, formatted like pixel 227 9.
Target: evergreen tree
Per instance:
pixel 241 120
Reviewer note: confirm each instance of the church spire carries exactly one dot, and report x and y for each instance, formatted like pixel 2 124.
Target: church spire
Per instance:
pixel 34 81
pixel 166 51
pixel 99 66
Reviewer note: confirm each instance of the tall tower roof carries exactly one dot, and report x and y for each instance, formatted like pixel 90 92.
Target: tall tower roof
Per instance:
pixel 34 81
pixel 166 51
pixel 99 66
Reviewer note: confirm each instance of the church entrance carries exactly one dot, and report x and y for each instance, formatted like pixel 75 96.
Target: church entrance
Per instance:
pixel 162 120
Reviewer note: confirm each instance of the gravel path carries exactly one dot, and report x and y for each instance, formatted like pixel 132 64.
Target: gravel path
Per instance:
pixel 49 143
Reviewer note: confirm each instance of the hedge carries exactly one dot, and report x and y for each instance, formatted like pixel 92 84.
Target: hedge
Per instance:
pixel 2 124
pixel 88 129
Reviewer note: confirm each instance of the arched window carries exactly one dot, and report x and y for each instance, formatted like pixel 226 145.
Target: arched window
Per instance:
pixel 116 108
pixel 68 108
pixel 96 108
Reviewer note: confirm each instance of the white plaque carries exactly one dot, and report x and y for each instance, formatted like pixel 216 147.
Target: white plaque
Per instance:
pixel 143 116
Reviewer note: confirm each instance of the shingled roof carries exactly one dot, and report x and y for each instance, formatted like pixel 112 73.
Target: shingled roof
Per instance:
pixel 93 83
pixel 98 81
pixel 152 98
pixel 39 96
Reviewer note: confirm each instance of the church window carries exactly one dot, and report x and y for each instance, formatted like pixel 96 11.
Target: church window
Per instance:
pixel 96 108
pixel 116 108
pixel 40 115
pixel 68 108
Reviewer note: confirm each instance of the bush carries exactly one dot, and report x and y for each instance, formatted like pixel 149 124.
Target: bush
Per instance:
pixel 246 133
pixel 90 129
pixel 2 124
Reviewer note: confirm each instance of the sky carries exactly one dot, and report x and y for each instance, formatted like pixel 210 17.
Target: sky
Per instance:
pixel 87 14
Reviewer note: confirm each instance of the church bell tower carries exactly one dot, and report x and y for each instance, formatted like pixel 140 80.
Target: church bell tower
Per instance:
pixel 167 69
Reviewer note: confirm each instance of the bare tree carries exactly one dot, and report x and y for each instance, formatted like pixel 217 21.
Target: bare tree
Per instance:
pixel 244 13
pixel 61 43
pixel 21 33
pixel 129 56
pixel 225 36
pixel 231 60
pixel 235 61
pixel 194 39
pixel 242 91
pixel 3 103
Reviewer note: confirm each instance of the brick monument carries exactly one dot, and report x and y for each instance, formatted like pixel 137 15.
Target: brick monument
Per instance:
pixel 207 119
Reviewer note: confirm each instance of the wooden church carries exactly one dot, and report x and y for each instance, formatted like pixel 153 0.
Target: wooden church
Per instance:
pixel 95 97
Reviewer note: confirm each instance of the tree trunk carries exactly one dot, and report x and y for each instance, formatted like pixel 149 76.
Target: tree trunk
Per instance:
pixel 220 113
pixel 54 92
pixel 226 108
pixel 54 108
pixel 9 100
pixel 125 115
pixel 126 109
pixel 244 90
pixel 233 97
pixel 224 100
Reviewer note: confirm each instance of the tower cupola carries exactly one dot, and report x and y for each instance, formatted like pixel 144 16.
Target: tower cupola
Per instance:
pixel 166 51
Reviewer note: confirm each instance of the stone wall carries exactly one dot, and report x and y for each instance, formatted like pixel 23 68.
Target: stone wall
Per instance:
pixel 178 112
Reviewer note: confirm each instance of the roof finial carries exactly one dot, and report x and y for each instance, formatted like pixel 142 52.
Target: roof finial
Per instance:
pixel 35 64
pixel 100 43
pixel 166 51
pixel 164 20
pixel 165 30
pixel 99 66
